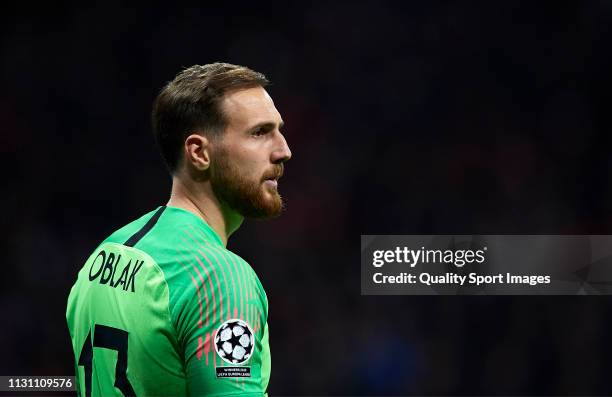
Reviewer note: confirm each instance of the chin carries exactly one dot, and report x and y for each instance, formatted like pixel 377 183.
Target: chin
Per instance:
pixel 271 206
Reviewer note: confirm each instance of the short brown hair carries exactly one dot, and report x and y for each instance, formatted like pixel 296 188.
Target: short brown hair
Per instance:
pixel 191 102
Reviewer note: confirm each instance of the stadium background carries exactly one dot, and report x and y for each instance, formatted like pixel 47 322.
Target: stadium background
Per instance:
pixel 487 117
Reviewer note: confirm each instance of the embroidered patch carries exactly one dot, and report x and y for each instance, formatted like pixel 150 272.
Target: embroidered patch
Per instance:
pixel 234 342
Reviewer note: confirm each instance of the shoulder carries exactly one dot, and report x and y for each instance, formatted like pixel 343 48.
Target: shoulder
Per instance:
pixel 174 242
pixel 121 235
pixel 165 234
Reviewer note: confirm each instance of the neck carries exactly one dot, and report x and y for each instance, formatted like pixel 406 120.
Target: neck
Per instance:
pixel 198 198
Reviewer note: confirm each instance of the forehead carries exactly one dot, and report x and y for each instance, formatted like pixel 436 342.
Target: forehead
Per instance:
pixel 247 107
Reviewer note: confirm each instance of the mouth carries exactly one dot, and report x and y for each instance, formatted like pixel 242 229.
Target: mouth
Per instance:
pixel 271 182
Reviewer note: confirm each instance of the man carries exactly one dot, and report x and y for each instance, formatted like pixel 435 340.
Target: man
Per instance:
pixel 161 307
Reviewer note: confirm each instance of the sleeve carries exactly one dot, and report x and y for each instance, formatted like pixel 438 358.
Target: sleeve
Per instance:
pixel 220 327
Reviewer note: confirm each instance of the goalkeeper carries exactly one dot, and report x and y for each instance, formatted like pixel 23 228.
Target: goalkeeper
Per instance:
pixel 162 307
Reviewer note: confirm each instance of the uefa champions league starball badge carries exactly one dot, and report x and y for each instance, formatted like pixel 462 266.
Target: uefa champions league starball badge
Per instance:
pixel 234 343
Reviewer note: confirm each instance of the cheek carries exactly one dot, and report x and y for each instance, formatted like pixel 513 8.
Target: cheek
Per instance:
pixel 250 165
pixel 248 157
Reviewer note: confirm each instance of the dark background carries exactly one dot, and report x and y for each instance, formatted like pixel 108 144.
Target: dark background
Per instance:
pixel 467 117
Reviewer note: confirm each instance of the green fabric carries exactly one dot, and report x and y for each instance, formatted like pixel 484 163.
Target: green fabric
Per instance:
pixel 168 295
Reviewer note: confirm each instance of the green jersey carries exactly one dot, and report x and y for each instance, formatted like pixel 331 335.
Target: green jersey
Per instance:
pixel 161 307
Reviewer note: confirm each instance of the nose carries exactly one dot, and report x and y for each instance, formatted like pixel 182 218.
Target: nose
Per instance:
pixel 282 152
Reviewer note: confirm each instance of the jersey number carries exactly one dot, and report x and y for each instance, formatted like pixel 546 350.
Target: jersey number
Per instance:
pixel 108 338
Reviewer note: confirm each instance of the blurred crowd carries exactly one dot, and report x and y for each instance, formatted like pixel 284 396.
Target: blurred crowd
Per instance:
pixel 403 118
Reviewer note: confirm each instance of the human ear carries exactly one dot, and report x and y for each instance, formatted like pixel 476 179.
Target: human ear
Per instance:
pixel 197 152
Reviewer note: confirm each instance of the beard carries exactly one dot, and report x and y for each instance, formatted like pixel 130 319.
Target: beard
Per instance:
pixel 250 198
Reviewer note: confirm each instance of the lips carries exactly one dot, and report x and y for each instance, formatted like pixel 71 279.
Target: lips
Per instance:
pixel 271 182
pixel 271 178
pixel 274 176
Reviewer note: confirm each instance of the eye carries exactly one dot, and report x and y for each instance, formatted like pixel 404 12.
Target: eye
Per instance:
pixel 259 131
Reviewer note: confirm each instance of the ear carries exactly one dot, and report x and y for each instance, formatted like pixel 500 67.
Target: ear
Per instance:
pixel 197 152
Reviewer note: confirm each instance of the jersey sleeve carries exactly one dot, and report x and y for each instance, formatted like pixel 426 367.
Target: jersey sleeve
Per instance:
pixel 219 313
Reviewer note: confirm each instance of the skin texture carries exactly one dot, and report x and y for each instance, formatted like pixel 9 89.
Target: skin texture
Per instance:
pixel 232 176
